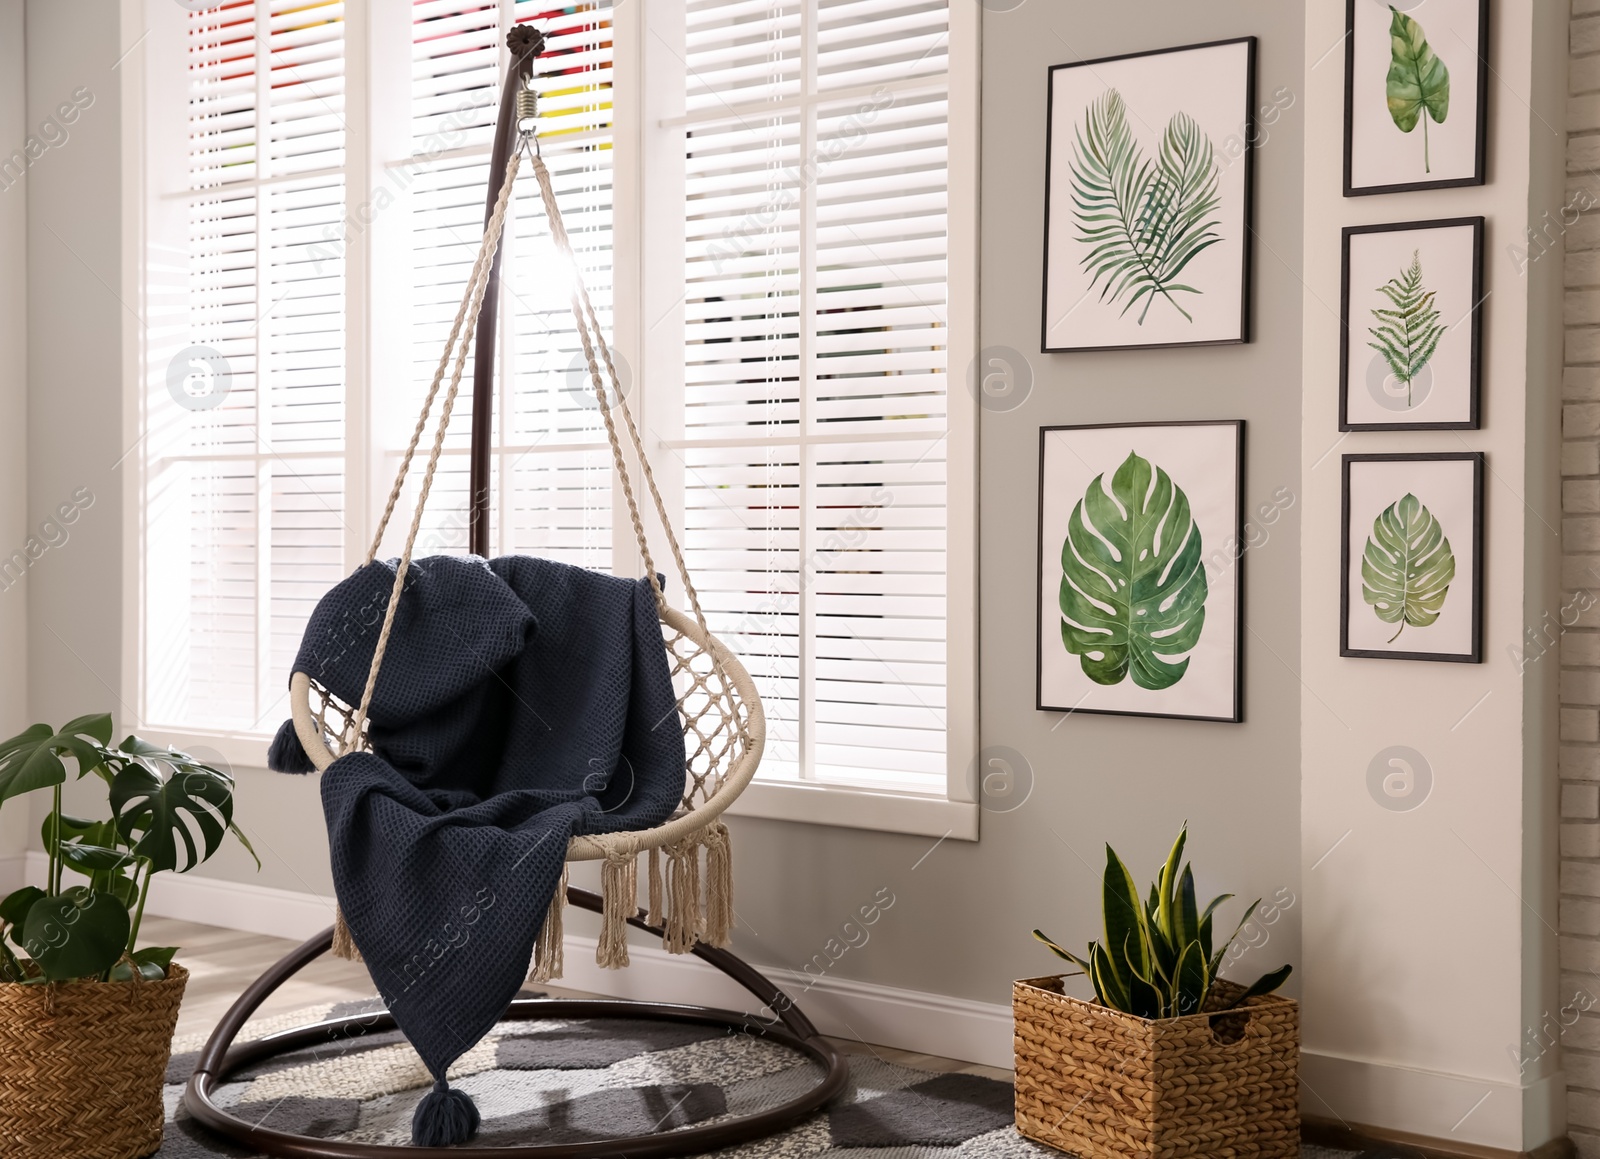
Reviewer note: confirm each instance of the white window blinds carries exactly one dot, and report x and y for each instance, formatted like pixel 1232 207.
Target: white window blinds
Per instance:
pixel 246 514
pixel 551 470
pixel 815 336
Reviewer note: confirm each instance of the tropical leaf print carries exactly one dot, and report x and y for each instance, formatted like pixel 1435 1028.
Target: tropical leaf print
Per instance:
pixel 1407 566
pixel 1408 329
pixel 1143 221
pixel 1418 85
pixel 1133 590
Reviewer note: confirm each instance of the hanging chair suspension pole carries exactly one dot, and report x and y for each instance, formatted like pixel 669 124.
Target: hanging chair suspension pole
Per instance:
pixel 526 43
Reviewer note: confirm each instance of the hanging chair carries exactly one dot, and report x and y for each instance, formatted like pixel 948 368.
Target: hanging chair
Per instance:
pixel 724 732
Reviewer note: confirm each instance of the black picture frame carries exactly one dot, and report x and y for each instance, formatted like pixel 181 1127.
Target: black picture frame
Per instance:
pixel 1237 716
pixel 1475 565
pixel 1481 149
pixel 1248 127
pixel 1474 420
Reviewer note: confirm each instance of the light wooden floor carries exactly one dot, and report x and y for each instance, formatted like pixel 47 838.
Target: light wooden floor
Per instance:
pixel 221 963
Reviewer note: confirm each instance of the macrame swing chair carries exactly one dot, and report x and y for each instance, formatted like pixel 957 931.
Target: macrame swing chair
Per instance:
pixel 724 731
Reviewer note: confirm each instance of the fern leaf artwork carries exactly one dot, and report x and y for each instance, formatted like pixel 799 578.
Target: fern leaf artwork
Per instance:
pixel 1418 85
pixel 1408 329
pixel 1407 566
pixel 1133 591
pixel 1143 220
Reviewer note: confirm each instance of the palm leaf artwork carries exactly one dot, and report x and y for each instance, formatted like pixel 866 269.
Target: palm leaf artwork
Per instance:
pixel 1418 84
pixel 1408 330
pixel 1133 591
pixel 1143 221
pixel 1407 566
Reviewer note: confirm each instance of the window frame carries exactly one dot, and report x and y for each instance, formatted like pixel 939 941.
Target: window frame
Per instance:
pixel 377 65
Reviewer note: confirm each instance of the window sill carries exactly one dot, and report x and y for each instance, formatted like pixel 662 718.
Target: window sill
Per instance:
pixel 807 803
pixel 850 808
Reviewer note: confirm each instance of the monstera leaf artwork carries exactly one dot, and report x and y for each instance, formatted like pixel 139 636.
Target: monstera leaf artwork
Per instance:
pixel 1418 84
pixel 1407 566
pixel 1133 588
pixel 1142 222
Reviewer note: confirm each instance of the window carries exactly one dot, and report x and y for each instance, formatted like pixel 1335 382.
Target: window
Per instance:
pixel 774 206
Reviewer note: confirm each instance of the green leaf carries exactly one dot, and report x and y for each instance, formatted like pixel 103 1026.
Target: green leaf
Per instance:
pixel 1109 986
pixel 14 910
pixel 10 969
pixel 32 759
pixel 1408 333
pixel 1167 889
pixel 1062 952
pixel 1265 984
pixel 1216 958
pixel 1124 919
pixel 76 934
pixel 1192 982
pixel 1133 590
pixel 1143 223
pixel 1418 82
pixel 245 841
pixel 94 858
pixel 151 962
pixel 156 815
pixel 1407 566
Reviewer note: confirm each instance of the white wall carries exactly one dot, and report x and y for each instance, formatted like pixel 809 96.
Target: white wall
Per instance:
pixel 1428 938
pixel 13 409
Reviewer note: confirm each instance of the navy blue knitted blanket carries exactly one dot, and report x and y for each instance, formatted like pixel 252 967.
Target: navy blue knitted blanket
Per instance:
pixel 520 702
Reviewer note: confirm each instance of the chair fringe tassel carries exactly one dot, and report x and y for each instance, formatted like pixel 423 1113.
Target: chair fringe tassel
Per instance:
pixel 688 920
pixel 675 902
pixel 344 946
pixel 619 897
pixel 547 949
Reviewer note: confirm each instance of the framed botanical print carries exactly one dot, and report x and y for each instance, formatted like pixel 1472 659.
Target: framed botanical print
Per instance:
pixel 1140 591
pixel 1411 311
pixel 1411 565
pixel 1416 110
pixel 1147 199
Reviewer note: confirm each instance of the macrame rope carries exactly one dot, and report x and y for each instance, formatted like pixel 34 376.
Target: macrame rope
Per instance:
pixel 475 293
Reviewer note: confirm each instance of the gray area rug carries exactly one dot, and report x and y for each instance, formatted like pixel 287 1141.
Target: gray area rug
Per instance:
pixel 578 1080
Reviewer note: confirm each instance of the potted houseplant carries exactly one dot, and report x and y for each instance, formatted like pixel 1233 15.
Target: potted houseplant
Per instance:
pixel 1169 1059
pixel 86 1014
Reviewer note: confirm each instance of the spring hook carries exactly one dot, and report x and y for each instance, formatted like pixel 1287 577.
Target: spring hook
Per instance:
pixel 527 109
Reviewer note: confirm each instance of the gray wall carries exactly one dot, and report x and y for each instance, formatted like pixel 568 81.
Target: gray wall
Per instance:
pixel 13 402
pixel 76 318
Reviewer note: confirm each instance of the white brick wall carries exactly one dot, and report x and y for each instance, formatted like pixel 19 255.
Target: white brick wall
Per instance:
pixel 1579 621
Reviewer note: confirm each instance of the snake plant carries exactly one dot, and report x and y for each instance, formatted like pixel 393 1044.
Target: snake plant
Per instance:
pixel 1158 959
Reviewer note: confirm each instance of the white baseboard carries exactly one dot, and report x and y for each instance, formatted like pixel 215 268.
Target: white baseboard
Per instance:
pixel 1446 1107
pixel 905 1019
pixel 888 1016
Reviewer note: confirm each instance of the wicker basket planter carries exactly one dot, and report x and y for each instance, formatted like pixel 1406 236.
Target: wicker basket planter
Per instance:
pixel 1100 1084
pixel 82 1065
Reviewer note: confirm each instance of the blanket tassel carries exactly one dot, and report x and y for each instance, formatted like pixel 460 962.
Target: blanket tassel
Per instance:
pixel 683 896
pixel 619 896
pixel 719 885
pixel 344 946
pixel 444 1117
pixel 548 958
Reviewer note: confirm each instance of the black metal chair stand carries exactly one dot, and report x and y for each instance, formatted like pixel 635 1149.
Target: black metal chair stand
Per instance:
pixel 789 1028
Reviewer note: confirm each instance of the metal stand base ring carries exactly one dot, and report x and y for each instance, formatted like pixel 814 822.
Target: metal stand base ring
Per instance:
pixel 221 1058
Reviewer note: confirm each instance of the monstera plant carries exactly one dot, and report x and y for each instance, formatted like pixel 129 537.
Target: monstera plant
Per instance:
pixel 169 812
pixel 1160 957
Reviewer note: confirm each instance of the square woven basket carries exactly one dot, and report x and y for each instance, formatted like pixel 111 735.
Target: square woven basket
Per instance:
pixel 1100 1084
